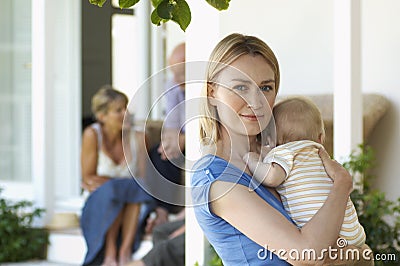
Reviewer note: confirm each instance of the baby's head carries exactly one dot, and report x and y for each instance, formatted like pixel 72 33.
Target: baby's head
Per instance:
pixel 298 118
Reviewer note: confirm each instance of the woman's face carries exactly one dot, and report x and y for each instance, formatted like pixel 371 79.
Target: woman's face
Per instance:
pixel 114 116
pixel 244 95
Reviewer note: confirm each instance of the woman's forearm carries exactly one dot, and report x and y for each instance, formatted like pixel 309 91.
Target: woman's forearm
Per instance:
pixel 269 228
pixel 92 182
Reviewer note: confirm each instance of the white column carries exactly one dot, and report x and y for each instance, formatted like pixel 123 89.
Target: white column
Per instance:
pixel 142 11
pixel 201 37
pixel 64 54
pixel 157 64
pixel 348 127
pixel 75 88
pixel 56 90
pixel 41 109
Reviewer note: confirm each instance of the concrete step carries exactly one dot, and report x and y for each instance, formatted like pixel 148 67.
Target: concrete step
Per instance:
pixel 68 246
pixel 36 263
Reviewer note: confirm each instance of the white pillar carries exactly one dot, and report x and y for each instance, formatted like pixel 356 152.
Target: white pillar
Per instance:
pixel 142 11
pixel 55 113
pixel 157 64
pixel 75 87
pixel 42 138
pixel 348 127
pixel 201 37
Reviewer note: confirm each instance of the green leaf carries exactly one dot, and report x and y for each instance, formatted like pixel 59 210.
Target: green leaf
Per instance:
pixel 165 8
pixel 219 4
pixel 127 3
pixel 155 3
pixel 181 14
pixel 99 3
pixel 175 10
pixel 155 18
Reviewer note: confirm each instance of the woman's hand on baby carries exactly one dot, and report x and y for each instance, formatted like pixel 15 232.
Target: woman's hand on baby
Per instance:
pixel 335 170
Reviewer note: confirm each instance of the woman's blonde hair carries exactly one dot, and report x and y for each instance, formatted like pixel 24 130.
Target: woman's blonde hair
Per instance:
pixel 103 97
pixel 225 53
pixel 298 118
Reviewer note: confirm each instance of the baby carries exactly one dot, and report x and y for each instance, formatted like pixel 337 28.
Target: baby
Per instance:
pixel 295 169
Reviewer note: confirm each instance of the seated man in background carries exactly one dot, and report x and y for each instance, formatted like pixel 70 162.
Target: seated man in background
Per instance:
pixel 168 244
pixel 167 157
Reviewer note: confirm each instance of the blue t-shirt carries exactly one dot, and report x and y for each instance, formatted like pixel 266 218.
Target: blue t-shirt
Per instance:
pixel 233 247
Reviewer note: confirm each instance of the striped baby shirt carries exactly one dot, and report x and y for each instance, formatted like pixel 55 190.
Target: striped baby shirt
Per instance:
pixel 307 186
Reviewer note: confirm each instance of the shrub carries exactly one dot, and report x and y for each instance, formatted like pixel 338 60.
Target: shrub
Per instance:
pixel 379 216
pixel 19 240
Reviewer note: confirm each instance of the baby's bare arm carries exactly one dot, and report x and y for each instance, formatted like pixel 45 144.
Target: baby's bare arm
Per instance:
pixel 271 175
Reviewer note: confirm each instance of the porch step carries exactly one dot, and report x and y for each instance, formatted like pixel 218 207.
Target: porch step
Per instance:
pixel 68 246
pixel 36 263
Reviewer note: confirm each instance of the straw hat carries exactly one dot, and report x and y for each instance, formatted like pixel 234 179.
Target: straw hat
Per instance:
pixel 63 220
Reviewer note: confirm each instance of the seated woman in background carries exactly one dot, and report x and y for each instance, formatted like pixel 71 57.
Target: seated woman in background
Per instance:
pixel 110 217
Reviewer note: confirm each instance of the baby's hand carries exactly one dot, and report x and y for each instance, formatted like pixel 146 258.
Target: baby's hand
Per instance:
pixel 252 157
pixel 265 150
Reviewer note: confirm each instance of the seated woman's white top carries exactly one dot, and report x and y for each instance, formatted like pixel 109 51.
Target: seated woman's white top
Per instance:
pixel 106 166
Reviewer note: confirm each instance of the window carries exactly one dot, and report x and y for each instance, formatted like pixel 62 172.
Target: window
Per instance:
pixel 15 90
